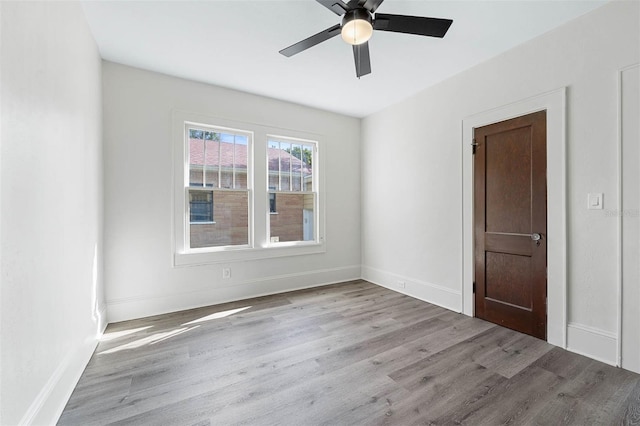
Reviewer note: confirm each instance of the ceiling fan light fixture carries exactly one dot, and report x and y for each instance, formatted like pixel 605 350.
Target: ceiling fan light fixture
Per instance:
pixel 357 26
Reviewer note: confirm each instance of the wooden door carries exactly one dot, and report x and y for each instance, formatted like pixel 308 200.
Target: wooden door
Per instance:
pixel 510 223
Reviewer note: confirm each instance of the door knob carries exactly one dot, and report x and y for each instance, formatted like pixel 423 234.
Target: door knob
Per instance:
pixel 536 238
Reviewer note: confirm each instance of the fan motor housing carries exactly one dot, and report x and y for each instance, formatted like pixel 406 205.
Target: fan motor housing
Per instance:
pixel 359 13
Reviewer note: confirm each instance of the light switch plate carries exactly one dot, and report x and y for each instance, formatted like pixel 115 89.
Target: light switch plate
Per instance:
pixel 595 201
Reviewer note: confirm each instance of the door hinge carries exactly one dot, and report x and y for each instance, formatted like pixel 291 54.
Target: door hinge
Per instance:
pixel 474 145
pixel 474 287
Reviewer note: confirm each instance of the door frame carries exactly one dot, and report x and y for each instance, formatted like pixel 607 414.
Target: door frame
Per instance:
pixel 554 103
pixel 624 321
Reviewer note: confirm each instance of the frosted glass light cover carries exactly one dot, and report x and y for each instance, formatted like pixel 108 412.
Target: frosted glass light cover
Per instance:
pixel 357 31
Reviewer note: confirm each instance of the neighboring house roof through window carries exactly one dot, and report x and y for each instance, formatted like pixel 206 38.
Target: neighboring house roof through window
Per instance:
pixel 222 153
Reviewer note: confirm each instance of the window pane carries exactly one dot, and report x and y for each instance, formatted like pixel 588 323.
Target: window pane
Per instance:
pixel 273 180
pixel 285 165
pixel 296 168
pixel 295 218
pixel 273 208
pixel 307 167
pixel 284 181
pixel 212 158
pixel 227 137
pixel 196 134
pixel 226 160
pixel 196 158
pixel 212 177
pixel 273 159
pixel 240 158
pixel 226 179
pixel 230 221
pixel 195 177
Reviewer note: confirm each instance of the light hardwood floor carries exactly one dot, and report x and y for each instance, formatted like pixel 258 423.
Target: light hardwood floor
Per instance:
pixel 351 353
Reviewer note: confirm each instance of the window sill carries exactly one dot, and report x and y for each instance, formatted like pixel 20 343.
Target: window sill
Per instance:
pixel 198 257
pixel 202 223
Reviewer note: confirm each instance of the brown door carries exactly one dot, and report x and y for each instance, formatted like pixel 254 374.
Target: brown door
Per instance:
pixel 510 230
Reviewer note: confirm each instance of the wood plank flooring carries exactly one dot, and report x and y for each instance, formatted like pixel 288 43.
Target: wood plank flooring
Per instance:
pixel 351 353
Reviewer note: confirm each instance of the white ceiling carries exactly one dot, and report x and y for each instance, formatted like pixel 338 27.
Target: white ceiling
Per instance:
pixel 235 44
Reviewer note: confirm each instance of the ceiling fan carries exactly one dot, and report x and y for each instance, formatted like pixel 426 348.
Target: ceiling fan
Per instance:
pixel 358 24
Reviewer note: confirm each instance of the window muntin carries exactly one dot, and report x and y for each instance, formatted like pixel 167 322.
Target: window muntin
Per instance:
pixel 218 187
pixel 291 181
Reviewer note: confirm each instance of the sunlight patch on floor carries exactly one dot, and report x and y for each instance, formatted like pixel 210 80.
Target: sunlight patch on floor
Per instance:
pixel 217 315
pixel 150 340
pixel 106 337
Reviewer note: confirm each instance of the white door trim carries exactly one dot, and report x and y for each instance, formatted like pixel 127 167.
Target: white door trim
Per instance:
pixel 555 104
pixel 628 347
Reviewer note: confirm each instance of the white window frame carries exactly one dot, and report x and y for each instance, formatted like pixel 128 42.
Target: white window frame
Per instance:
pixel 314 190
pixel 257 184
pixel 187 186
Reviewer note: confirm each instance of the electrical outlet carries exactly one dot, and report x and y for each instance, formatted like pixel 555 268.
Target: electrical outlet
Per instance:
pixel 401 284
pixel 595 201
pixel 226 273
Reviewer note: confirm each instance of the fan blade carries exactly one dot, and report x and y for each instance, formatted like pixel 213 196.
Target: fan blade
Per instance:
pixel 433 27
pixel 336 6
pixel 311 41
pixel 361 56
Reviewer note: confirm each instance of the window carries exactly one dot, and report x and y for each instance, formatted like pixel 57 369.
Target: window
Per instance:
pixel 229 207
pixel 291 180
pixel 217 186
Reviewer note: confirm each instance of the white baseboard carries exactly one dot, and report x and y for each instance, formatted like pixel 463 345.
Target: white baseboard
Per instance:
pixel 50 402
pixel 140 307
pixel 592 342
pixel 428 292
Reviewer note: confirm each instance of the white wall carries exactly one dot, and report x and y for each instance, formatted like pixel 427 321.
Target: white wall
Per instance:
pixel 51 198
pixel 140 279
pixel 415 235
